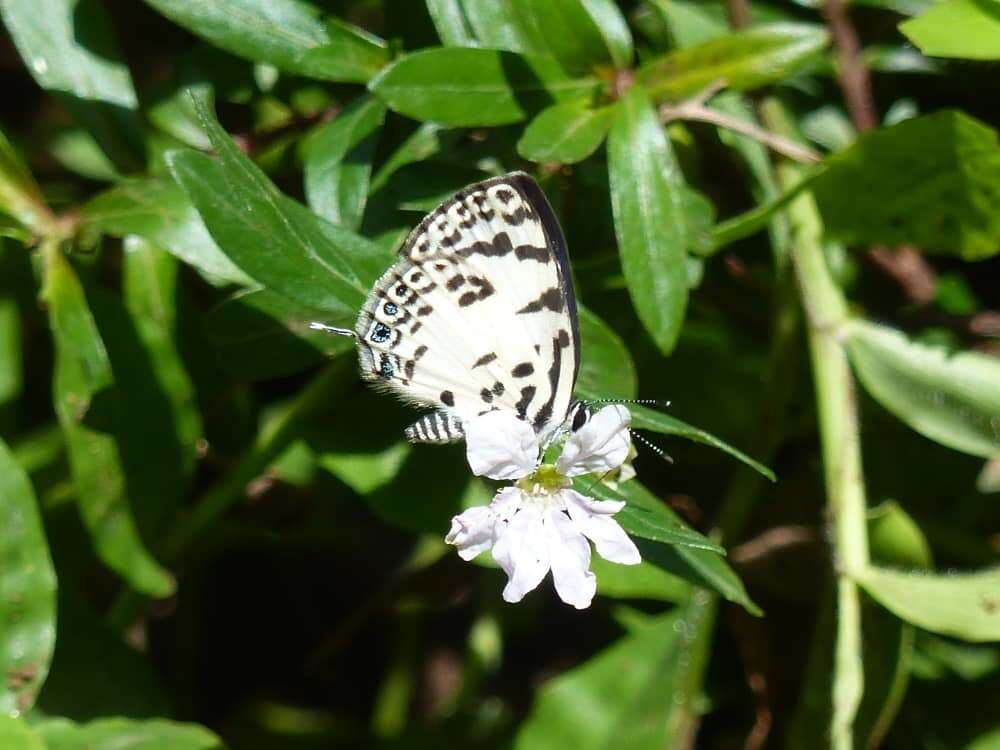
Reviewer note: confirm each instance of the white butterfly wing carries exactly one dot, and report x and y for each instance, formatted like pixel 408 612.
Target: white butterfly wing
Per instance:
pixel 479 312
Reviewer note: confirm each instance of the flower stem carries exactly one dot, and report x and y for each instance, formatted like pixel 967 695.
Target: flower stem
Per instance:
pixel 826 312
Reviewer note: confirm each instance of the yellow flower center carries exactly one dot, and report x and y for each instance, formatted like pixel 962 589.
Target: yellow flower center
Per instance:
pixel 545 480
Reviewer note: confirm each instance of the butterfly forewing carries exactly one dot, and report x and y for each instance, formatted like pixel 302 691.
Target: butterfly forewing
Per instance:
pixel 479 313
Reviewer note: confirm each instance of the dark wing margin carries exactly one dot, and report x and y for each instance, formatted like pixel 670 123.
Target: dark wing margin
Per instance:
pixel 557 241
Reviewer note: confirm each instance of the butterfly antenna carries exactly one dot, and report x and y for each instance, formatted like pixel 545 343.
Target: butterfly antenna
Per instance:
pixel 652 446
pixel 333 329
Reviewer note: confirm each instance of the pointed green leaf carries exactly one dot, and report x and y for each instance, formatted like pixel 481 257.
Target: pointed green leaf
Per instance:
pixel 338 162
pixel 641 692
pixel 647 203
pixel 933 181
pixel 649 419
pixel 962 605
pixel 470 86
pixel 580 34
pixel 20 197
pixel 450 23
pixel 287 34
pixel 70 48
pixel 27 592
pixel 646 517
pixel 565 133
pixel 953 399
pixel 293 252
pixel 968 29
pixel 742 60
pixel 82 370
pixel 159 210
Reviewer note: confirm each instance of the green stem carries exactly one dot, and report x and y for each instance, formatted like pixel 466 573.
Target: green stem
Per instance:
pixel 826 312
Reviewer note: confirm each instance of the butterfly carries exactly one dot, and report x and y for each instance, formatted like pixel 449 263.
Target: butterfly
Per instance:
pixel 479 314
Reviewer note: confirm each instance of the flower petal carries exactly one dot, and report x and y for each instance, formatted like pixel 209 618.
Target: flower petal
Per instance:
pixel 593 519
pixel 599 446
pixel 472 531
pixel 569 555
pixel 500 446
pixel 522 550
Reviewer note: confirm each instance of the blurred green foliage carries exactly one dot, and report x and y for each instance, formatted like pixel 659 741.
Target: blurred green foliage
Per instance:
pixel 214 536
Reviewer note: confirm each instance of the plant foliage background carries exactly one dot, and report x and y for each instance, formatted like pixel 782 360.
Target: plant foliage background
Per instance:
pixel 783 217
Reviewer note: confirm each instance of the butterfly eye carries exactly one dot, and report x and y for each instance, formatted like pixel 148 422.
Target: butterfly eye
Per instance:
pixel 580 418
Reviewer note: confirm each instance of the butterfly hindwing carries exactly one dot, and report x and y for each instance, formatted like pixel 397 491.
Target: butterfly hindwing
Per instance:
pixel 479 312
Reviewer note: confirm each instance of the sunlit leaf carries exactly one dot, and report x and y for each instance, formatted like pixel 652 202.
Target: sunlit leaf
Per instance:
pixel 952 398
pixel 565 133
pixel 646 201
pixel 962 605
pixel 742 60
pixel 27 592
pixel 933 181
pixel 158 210
pixel 294 252
pixel 288 34
pixel 967 29
pixel 469 86
pixel 338 162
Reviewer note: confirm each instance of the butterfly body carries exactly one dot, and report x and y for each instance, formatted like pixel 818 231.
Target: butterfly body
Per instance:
pixel 478 313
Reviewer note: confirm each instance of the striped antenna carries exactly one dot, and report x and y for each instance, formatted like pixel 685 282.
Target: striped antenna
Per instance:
pixel 652 446
pixel 333 329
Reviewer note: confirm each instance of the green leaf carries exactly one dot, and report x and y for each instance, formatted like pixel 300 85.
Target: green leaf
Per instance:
pixel 294 252
pixel 449 21
pixel 646 517
pixel 647 203
pixel 82 370
pixel 126 734
pixel 743 60
pixel 641 692
pixel 962 605
pixel 642 581
pixel 611 24
pixel 338 162
pixel 16 735
pixel 259 335
pixel 933 181
pixel 158 210
pixel 649 419
pixel 895 538
pixel 967 29
pixel 70 48
pixel 27 593
pixel 505 25
pixel 149 287
pixel 287 34
pixel 580 34
pixel 468 86
pixel 565 133
pixel 20 196
pixel 607 370
pixel 697 565
pixel 953 399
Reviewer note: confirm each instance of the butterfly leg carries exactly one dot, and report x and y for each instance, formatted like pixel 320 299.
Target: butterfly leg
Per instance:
pixel 436 427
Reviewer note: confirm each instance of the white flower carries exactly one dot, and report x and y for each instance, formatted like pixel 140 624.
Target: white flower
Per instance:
pixel 540 524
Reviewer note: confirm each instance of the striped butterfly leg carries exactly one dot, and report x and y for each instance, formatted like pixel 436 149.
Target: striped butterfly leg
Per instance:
pixel 436 428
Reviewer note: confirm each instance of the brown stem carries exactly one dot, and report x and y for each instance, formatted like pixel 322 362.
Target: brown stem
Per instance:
pixel 694 109
pixel 852 73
